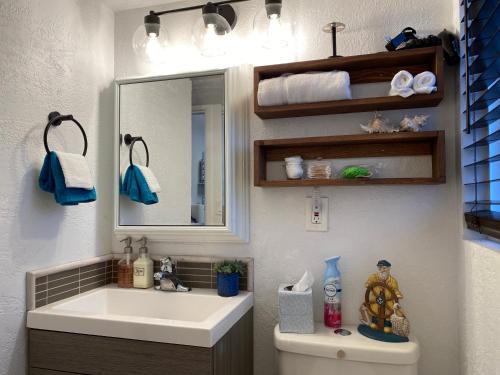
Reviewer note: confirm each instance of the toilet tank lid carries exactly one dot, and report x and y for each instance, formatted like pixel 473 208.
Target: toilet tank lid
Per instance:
pixel 355 347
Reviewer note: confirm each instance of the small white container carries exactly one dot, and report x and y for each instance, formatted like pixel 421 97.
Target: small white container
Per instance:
pixel 294 168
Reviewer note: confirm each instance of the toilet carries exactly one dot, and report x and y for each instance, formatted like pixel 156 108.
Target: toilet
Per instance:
pixel 327 353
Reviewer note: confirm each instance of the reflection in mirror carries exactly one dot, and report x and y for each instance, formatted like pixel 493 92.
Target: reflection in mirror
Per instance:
pixel 181 121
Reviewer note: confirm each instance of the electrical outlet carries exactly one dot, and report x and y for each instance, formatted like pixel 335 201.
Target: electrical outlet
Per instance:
pixel 317 216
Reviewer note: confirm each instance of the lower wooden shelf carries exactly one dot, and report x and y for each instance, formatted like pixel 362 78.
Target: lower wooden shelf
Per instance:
pixel 357 182
pixel 353 146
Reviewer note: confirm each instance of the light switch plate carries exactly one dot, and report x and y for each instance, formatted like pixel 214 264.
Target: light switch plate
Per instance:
pixel 323 218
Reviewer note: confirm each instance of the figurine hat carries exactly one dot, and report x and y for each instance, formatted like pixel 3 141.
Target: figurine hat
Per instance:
pixel 383 263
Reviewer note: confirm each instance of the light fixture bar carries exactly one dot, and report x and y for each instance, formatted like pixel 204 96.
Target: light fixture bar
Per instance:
pixel 196 7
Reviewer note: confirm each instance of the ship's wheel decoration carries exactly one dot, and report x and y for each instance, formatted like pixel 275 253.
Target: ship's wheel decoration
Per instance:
pixel 381 315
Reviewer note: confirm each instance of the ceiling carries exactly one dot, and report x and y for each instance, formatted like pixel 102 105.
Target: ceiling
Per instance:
pixel 119 5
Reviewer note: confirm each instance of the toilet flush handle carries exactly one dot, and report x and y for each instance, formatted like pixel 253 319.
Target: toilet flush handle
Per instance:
pixel 340 354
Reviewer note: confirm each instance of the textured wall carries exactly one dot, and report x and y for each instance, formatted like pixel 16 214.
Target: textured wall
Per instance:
pixel 480 306
pixel 416 227
pixel 54 55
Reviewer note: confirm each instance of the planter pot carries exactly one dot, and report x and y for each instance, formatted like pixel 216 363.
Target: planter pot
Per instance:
pixel 228 284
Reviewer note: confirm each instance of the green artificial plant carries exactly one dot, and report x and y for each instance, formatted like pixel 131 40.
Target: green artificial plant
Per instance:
pixel 229 267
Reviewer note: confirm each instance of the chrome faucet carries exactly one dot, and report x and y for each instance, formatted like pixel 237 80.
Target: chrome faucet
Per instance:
pixel 169 281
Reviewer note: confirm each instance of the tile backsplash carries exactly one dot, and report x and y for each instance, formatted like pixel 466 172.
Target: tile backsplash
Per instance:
pixel 56 283
pixel 194 274
pixel 57 286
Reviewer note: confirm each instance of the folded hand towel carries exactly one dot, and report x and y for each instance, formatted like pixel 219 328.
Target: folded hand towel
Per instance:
pixel 402 84
pixel 135 186
pixel 304 88
pixel 76 170
pixel 272 92
pixel 52 180
pixel 317 87
pixel 151 180
pixel 424 83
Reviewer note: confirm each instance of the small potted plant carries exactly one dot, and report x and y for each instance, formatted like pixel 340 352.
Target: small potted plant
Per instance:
pixel 228 277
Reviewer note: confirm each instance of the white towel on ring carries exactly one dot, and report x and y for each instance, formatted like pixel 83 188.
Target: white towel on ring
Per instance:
pixel 402 84
pixel 150 178
pixel 76 170
pixel 424 83
pixel 318 87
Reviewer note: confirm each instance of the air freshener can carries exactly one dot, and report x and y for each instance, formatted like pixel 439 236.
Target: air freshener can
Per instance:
pixel 332 294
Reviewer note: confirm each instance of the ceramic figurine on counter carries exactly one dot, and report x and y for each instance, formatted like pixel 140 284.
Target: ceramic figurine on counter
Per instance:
pixel 382 317
pixel 378 124
pixel 413 124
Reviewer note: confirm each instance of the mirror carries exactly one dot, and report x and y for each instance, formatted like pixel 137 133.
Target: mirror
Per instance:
pixel 180 123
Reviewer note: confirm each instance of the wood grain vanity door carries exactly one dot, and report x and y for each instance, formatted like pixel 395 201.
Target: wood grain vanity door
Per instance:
pixel 95 355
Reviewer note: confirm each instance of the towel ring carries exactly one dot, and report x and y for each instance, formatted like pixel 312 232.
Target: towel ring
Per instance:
pixel 56 119
pixel 130 141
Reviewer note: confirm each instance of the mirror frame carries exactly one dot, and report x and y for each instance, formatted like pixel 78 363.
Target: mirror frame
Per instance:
pixel 236 228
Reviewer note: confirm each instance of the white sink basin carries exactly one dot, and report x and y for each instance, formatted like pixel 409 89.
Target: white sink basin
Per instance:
pixel 199 317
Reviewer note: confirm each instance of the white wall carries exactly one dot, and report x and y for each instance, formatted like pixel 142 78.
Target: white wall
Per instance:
pixel 415 227
pixel 54 55
pixel 160 112
pixel 480 306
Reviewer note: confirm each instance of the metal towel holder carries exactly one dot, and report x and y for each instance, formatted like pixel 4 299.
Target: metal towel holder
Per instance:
pixel 56 119
pixel 130 141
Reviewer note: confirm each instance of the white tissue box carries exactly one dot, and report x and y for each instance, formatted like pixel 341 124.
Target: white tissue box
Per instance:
pixel 295 310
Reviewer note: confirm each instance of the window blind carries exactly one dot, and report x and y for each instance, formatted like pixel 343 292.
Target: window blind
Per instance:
pixel 481 102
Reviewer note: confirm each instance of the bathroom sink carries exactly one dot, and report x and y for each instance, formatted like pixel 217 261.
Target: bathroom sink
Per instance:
pixel 198 318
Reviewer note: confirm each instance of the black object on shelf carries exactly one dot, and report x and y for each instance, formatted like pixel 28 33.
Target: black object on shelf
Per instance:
pixel 130 141
pixel 334 28
pixel 56 119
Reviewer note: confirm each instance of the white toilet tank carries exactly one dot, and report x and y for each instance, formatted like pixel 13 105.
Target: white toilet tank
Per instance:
pixel 327 353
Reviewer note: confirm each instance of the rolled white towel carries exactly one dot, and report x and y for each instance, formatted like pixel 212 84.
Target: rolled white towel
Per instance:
pixel 76 170
pixel 317 87
pixel 150 178
pixel 272 92
pixel 402 84
pixel 424 83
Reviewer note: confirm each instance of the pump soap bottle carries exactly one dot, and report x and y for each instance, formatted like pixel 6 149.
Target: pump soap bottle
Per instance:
pixel 143 267
pixel 333 290
pixel 125 266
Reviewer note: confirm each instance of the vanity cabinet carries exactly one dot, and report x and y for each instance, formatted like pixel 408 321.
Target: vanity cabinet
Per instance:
pixel 61 353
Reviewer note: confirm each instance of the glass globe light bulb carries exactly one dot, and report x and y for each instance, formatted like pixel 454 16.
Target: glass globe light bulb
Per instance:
pixel 276 36
pixel 211 39
pixel 150 46
pixel 273 30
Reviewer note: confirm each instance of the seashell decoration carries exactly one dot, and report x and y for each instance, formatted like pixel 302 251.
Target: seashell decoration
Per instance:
pixel 415 124
pixel 378 124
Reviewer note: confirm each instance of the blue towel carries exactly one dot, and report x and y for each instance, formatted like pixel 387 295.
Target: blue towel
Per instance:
pixel 135 186
pixel 51 180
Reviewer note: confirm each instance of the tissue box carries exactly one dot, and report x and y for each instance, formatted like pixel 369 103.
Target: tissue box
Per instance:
pixel 295 310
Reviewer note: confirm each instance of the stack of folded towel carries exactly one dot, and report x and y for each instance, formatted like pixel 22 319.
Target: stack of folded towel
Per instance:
pixel 405 85
pixel 304 88
pixel 140 184
pixel 68 177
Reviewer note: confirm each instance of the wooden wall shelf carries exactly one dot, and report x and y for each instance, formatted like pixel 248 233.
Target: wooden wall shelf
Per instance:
pixel 377 67
pixel 352 146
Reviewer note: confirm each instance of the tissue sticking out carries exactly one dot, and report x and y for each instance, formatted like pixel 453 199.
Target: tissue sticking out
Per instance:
pixel 305 282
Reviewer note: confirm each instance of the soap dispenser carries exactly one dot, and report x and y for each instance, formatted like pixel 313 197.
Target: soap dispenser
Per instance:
pixel 143 267
pixel 125 266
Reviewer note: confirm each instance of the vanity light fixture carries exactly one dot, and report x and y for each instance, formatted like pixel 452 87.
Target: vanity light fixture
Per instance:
pixel 271 29
pixel 218 19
